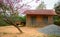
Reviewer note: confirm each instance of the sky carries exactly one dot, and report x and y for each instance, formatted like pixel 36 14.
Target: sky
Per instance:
pixel 49 4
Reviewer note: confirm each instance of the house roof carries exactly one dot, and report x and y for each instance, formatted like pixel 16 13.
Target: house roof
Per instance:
pixel 40 12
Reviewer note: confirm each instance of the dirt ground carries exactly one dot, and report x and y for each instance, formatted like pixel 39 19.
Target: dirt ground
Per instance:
pixel 10 31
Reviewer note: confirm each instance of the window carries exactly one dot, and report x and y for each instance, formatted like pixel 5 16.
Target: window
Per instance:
pixel 45 19
pixel 33 20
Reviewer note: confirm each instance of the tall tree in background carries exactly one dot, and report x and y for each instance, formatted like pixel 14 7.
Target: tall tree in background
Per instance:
pixel 12 5
pixel 57 8
pixel 41 6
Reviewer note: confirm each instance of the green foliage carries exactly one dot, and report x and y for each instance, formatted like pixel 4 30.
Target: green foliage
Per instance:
pixel 24 18
pixel 57 8
pixel 57 20
pixel 13 18
pixel 54 36
pixel 2 22
pixel 18 18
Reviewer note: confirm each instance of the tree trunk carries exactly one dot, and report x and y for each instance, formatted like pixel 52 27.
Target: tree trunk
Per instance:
pixel 18 29
pixel 9 21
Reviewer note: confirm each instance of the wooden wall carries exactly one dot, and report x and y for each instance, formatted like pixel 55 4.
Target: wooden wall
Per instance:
pixel 39 20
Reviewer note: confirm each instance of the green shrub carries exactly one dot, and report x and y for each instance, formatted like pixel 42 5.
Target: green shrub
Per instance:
pixel 2 22
pixel 13 19
pixel 57 22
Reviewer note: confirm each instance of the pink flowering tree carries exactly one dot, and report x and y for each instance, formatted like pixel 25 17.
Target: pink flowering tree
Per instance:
pixel 12 5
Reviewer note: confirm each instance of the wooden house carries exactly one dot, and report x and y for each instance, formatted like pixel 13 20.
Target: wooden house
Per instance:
pixel 39 18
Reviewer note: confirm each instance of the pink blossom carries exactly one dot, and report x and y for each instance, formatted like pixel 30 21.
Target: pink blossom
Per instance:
pixel 22 8
pixel 1 1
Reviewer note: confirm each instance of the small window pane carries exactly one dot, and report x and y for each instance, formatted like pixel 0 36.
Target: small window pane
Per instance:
pixel 45 18
pixel 33 19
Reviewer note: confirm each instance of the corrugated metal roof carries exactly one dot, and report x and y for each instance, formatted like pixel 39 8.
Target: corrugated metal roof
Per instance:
pixel 40 12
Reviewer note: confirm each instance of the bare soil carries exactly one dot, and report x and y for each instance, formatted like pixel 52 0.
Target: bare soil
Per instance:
pixel 11 31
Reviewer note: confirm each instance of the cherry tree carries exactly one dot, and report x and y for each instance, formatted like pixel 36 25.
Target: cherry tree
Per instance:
pixel 18 5
pixel 15 5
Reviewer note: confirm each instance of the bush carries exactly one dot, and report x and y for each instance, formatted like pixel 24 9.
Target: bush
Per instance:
pixel 57 20
pixel 13 19
pixel 3 23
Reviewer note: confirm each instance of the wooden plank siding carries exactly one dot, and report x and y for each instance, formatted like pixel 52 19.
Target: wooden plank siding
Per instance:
pixel 39 20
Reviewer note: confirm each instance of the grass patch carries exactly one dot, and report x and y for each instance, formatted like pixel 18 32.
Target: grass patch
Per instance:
pixel 54 36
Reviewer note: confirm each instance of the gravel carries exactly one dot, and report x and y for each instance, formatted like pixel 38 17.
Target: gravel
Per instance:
pixel 50 30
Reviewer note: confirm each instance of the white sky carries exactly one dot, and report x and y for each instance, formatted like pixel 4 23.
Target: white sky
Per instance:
pixel 49 4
